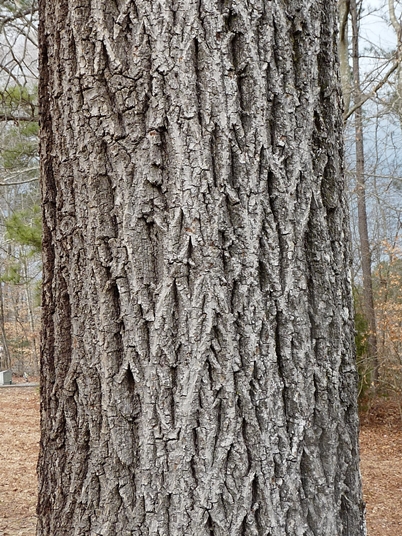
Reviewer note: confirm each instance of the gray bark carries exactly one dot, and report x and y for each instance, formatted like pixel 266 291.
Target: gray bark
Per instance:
pixel 197 369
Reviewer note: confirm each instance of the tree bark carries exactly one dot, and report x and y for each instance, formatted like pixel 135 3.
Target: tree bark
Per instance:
pixel 365 251
pixel 197 367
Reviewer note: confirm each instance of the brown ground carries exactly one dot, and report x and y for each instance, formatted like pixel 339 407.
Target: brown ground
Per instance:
pixel 381 466
pixel 19 437
pixel 381 452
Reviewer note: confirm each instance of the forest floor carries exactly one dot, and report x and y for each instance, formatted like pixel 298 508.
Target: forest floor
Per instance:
pixel 381 466
pixel 19 441
pixel 381 454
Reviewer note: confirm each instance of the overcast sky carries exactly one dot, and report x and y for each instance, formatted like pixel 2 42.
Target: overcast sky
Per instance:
pixel 375 26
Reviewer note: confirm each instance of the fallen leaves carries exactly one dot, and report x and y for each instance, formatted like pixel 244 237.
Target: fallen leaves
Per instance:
pixel 19 443
pixel 381 466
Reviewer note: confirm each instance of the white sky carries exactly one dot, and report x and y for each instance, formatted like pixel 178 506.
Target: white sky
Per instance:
pixel 375 25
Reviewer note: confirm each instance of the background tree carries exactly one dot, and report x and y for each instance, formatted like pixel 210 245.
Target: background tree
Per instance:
pixel 19 196
pixel 365 251
pixel 197 363
pixel 373 160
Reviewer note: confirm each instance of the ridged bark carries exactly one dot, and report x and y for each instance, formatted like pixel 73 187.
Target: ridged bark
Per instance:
pixel 198 371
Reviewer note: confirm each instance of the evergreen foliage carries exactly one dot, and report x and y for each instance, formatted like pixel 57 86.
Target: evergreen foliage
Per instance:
pixel 25 228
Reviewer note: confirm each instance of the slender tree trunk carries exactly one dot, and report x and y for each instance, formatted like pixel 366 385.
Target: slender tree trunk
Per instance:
pixel 197 369
pixel 346 78
pixel 398 33
pixel 31 317
pixel 368 296
pixel 6 357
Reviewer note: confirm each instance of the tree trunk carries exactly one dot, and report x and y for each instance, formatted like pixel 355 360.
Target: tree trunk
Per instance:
pixel 346 79
pixel 5 357
pixel 197 368
pixel 365 252
pixel 396 23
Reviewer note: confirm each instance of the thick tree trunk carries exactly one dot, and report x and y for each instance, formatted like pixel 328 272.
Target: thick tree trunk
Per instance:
pixel 198 371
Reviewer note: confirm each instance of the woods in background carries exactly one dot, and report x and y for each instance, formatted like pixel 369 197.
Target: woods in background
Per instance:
pixel 20 218
pixel 370 53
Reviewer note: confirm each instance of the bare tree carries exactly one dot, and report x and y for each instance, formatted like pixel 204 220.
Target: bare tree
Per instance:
pixel 19 270
pixel 372 183
pixel 365 251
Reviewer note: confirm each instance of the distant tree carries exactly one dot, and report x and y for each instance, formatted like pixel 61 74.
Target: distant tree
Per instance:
pixel 365 249
pixel 25 228
pixel 388 304
pixel 371 98
pixel 198 369
pixel 19 193
pixel 18 50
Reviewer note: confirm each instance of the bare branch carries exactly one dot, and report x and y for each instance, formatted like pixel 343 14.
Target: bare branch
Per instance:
pixel 392 16
pixel 16 16
pixel 18 118
pixel 18 183
pixel 372 92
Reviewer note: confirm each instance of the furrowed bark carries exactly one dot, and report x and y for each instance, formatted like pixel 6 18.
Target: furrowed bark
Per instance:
pixel 198 368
